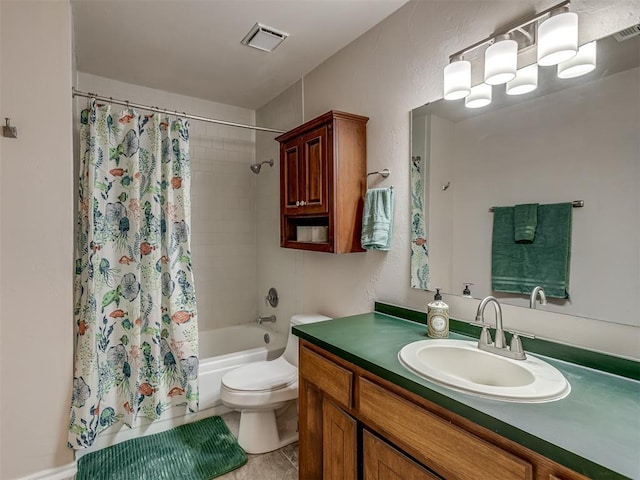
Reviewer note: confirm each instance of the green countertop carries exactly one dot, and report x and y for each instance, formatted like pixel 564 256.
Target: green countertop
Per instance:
pixel 594 431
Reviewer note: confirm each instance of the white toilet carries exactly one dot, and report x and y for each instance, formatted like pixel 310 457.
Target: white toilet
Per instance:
pixel 266 394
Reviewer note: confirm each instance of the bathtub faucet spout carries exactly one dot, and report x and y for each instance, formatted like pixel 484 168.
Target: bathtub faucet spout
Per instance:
pixel 270 318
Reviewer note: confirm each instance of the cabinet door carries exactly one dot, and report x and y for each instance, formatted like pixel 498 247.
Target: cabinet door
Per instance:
pixel 315 175
pixel 339 443
pixel 291 174
pixel 383 462
pixel 447 449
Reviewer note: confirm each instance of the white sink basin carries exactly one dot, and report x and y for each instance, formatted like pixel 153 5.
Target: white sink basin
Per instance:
pixel 460 365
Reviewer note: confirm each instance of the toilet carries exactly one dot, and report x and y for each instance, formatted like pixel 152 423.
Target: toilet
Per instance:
pixel 266 394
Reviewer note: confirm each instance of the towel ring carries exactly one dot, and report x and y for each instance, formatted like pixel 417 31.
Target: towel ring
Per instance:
pixel 383 173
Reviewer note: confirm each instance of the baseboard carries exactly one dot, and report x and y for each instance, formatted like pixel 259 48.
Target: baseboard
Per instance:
pixel 66 472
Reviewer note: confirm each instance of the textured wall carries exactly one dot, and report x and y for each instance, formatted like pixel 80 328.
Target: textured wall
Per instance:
pixel 277 267
pixel 37 234
pixel 393 68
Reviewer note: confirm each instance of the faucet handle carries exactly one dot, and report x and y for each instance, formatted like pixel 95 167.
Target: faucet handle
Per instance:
pixel 480 324
pixel 485 334
pixel 521 334
pixel 516 345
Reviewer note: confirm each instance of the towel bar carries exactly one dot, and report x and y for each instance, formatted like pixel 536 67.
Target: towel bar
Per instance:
pixel 384 173
pixel 574 204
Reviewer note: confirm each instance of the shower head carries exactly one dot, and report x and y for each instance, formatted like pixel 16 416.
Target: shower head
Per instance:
pixel 255 168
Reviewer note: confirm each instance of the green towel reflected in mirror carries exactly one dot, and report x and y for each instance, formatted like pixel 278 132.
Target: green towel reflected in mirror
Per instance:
pixel 519 267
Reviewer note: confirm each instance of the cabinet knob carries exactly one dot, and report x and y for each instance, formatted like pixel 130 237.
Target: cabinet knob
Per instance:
pixel 297 203
pixel 302 203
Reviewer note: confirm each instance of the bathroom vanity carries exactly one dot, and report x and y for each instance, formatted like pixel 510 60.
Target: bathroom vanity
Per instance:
pixel 364 415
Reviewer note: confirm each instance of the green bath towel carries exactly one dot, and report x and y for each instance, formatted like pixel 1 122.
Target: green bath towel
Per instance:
pixel 377 219
pixel 525 222
pixel 518 267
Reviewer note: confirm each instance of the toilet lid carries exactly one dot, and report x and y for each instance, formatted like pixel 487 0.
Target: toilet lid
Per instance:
pixel 258 376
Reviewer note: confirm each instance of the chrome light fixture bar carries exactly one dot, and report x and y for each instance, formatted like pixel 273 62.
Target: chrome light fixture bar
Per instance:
pixel 522 26
pixel 555 33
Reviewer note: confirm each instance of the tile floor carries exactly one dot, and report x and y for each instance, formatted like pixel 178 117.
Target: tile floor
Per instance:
pixel 278 465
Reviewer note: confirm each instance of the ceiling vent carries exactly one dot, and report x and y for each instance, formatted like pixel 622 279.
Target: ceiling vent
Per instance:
pixel 627 33
pixel 264 38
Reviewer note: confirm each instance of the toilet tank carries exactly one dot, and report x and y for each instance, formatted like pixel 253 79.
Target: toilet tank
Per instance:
pixel 291 351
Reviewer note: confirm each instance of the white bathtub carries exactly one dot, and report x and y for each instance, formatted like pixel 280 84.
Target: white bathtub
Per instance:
pixel 220 351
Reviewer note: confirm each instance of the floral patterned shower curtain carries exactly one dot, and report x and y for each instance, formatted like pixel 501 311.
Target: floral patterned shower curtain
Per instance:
pixel 136 331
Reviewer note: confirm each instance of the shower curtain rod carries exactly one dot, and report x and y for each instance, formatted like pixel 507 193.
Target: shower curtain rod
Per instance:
pixel 126 103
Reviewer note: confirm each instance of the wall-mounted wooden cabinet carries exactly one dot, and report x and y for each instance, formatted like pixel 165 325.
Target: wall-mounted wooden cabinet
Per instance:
pixel 322 183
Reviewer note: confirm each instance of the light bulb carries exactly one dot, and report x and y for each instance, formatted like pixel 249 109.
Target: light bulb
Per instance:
pixel 583 63
pixel 557 39
pixel 500 62
pixel 526 81
pixel 480 96
pixel 457 80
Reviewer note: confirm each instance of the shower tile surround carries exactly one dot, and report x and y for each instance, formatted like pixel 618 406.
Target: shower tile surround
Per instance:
pixel 223 199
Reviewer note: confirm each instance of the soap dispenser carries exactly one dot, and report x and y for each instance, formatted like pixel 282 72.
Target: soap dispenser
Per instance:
pixel 437 317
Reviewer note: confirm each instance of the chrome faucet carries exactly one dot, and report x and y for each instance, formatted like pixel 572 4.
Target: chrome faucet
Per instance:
pixel 270 318
pixel 485 343
pixel 500 340
pixel 543 298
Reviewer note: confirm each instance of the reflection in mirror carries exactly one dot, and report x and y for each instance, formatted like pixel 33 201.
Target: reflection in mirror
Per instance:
pixel 571 139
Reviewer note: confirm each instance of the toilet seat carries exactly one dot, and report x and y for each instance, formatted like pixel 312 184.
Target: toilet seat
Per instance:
pixel 265 376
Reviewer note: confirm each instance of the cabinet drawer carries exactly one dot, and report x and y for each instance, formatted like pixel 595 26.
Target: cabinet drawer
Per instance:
pixel 383 462
pixel 335 381
pixel 447 449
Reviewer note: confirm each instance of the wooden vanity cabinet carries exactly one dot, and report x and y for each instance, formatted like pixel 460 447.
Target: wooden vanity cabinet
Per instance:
pixel 348 414
pixel 383 462
pixel 322 181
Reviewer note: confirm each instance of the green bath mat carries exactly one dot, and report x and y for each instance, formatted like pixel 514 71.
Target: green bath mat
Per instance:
pixel 197 451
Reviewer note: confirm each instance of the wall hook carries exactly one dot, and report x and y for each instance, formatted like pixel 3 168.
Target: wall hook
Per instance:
pixel 9 131
pixel 446 186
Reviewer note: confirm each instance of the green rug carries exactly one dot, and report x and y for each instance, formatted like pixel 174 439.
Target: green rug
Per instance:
pixel 197 451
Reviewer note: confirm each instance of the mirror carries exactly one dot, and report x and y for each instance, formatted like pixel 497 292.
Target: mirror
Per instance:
pixel 572 139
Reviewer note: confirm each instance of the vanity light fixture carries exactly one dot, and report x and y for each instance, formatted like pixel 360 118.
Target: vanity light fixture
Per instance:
pixel 501 61
pixel 583 63
pixel 526 80
pixel 553 31
pixel 457 79
pixel 558 37
pixel 479 97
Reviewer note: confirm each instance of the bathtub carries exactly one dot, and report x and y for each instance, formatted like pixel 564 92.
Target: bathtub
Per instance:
pixel 220 350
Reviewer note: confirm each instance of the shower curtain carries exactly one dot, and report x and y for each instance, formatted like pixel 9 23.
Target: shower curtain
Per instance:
pixel 136 333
